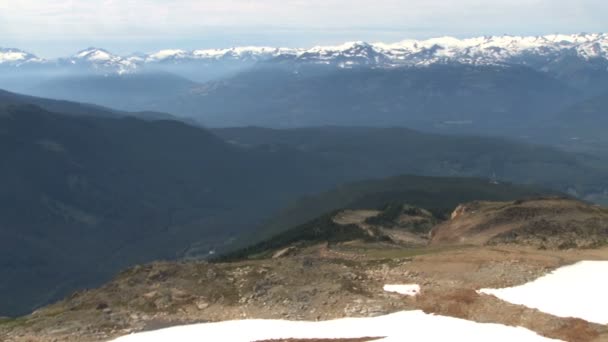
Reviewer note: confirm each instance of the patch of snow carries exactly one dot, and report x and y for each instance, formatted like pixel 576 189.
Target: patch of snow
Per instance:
pixel 577 291
pixel 401 326
pixel 12 56
pixel 411 290
pixel 164 54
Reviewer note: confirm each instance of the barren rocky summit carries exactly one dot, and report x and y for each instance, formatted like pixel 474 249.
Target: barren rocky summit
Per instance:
pixel 483 245
pixel 544 223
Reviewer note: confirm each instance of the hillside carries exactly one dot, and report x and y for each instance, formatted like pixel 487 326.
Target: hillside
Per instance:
pixel 554 223
pixel 129 92
pixel 500 85
pixel 65 107
pixel 75 108
pixel 315 281
pixel 396 224
pixel 110 192
pixel 452 98
pixel 386 152
pixel 512 100
pixel 542 223
pixel 438 195
pixel 104 192
pixel 578 126
pixel 303 171
pixel 95 188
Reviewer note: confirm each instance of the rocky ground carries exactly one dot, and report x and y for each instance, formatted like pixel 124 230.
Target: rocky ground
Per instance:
pixel 319 283
pixel 322 281
pixel 546 223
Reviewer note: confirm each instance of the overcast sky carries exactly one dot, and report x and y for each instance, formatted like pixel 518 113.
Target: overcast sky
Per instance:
pixel 60 27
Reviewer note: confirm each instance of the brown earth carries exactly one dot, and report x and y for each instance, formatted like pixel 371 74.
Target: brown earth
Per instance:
pixel 553 223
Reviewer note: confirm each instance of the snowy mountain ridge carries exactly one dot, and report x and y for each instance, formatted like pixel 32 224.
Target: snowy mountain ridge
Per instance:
pixel 254 53
pixel 102 59
pixel 487 50
pixel 17 57
pixel 480 50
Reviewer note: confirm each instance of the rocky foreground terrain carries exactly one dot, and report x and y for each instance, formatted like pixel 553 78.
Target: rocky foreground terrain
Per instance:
pixel 321 280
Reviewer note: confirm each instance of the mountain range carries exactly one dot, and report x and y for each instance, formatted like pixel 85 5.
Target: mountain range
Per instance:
pixel 529 88
pixel 537 51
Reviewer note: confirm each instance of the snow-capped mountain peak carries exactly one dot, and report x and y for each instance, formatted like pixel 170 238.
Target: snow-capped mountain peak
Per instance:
pixel 96 54
pixel 102 60
pixel 494 49
pixel 483 50
pixel 246 53
pixel 166 55
pixel 17 57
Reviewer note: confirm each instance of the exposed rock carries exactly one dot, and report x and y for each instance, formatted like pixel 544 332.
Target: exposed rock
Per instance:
pixel 283 252
pixel 554 223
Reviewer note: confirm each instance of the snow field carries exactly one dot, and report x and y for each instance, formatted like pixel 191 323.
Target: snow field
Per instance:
pixel 401 326
pixel 579 290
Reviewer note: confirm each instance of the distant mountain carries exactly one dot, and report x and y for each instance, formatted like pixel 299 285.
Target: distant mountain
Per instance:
pixel 384 152
pixel 65 107
pixel 128 91
pixel 451 98
pixel 540 52
pixel 100 60
pixel 83 196
pixel 579 127
pixel 247 53
pixel 75 108
pixel 513 101
pixel 499 85
pixel 17 58
pixel 535 51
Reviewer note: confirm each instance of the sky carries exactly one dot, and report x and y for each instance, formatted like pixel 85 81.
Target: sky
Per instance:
pixel 62 27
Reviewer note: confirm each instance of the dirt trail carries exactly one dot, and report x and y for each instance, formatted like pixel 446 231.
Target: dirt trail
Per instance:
pixel 357 217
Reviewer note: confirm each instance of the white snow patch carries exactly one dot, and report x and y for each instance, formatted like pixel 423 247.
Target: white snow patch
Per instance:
pixel 401 326
pixel 97 55
pixel 579 290
pixel 12 56
pixel 164 54
pixel 411 290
